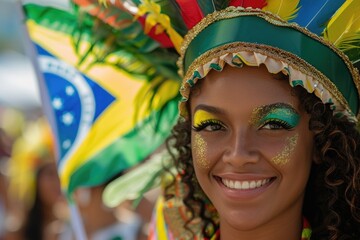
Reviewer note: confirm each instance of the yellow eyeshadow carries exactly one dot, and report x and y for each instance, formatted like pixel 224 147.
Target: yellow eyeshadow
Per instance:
pixel 200 148
pixel 201 115
pixel 284 156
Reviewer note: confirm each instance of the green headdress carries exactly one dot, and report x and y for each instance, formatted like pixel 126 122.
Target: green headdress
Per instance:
pixel 315 43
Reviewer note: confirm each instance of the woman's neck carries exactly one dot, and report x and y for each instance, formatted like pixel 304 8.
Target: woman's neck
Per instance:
pixel 285 226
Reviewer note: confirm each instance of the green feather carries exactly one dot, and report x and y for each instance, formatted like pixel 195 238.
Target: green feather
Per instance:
pixel 136 53
pixel 170 8
pixel 351 47
pixel 220 5
pixel 210 6
pixel 136 182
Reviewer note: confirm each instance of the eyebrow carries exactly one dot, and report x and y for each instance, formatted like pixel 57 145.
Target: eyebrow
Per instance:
pixel 261 111
pixel 269 107
pixel 210 109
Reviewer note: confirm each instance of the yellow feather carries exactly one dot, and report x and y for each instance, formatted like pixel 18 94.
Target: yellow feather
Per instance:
pixel 345 23
pixel 103 2
pixel 286 9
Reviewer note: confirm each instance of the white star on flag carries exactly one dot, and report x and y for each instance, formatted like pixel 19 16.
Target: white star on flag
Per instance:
pixel 69 90
pixel 57 103
pixel 66 144
pixel 67 118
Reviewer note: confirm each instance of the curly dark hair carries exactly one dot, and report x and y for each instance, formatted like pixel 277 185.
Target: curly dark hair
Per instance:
pixel 332 199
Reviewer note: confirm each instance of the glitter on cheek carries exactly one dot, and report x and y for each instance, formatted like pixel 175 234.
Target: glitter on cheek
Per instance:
pixel 284 157
pixel 200 148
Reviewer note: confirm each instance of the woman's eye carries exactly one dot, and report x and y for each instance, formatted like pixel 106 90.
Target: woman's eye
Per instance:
pixel 276 125
pixel 213 127
pixel 209 126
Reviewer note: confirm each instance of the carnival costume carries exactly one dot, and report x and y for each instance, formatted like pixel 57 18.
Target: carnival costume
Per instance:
pixel 314 43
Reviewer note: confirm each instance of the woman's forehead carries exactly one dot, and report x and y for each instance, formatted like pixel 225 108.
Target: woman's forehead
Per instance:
pixel 246 87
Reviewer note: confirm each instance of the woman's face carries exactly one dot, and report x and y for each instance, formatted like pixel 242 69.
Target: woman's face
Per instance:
pixel 251 147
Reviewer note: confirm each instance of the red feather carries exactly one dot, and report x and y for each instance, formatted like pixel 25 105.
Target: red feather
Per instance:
pixel 161 38
pixel 248 3
pixel 190 12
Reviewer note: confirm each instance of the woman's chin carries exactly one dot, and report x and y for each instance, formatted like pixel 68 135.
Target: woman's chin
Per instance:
pixel 241 222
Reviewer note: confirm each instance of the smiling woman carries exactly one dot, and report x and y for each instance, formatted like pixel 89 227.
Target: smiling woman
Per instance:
pixel 255 157
pixel 267 147
pixel 268 164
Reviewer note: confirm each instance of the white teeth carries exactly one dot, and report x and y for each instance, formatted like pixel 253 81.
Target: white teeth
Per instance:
pixel 258 183
pixel 244 185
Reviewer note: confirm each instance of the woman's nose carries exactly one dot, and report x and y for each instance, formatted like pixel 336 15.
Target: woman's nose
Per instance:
pixel 241 149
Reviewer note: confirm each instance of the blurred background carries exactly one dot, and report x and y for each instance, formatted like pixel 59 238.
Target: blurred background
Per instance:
pixel 18 86
pixel 31 204
pixel 20 107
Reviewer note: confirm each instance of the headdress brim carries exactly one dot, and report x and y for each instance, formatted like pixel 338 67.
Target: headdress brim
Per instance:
pixel 237 29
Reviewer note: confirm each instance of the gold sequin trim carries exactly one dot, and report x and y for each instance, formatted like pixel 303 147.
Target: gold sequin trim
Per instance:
pixel 272 52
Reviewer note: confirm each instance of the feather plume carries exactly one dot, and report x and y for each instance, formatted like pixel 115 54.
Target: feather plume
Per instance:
pixel 344 25
pixel 351 48
pixel 190 12
pixel 248 3
pixel 286 9
pixel 170 8
pixel 213 6
pixel 220 4
pixel 134 184
pixel 206 6
pixel 315 14
pixel 161 38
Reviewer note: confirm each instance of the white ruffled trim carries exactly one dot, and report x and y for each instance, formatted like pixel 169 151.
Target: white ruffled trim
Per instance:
pixel 274 66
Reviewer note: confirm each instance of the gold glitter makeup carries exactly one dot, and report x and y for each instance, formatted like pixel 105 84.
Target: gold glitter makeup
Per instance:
pixel 282 113
pixel 256 115
pixel 284 157
pixel 200 148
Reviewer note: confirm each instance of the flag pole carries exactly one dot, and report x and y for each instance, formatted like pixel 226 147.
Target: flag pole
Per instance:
pixel 76 222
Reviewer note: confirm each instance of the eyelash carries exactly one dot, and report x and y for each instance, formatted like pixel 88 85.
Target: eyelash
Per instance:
pixel 277 122
pixel 202 125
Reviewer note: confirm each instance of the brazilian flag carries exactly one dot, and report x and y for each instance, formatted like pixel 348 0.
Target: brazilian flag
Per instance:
pixel 109 91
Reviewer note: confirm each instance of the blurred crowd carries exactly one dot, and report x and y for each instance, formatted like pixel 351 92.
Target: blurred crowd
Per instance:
pixel 32 205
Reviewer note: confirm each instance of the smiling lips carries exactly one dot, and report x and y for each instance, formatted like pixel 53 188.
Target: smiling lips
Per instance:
pixel 244 185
